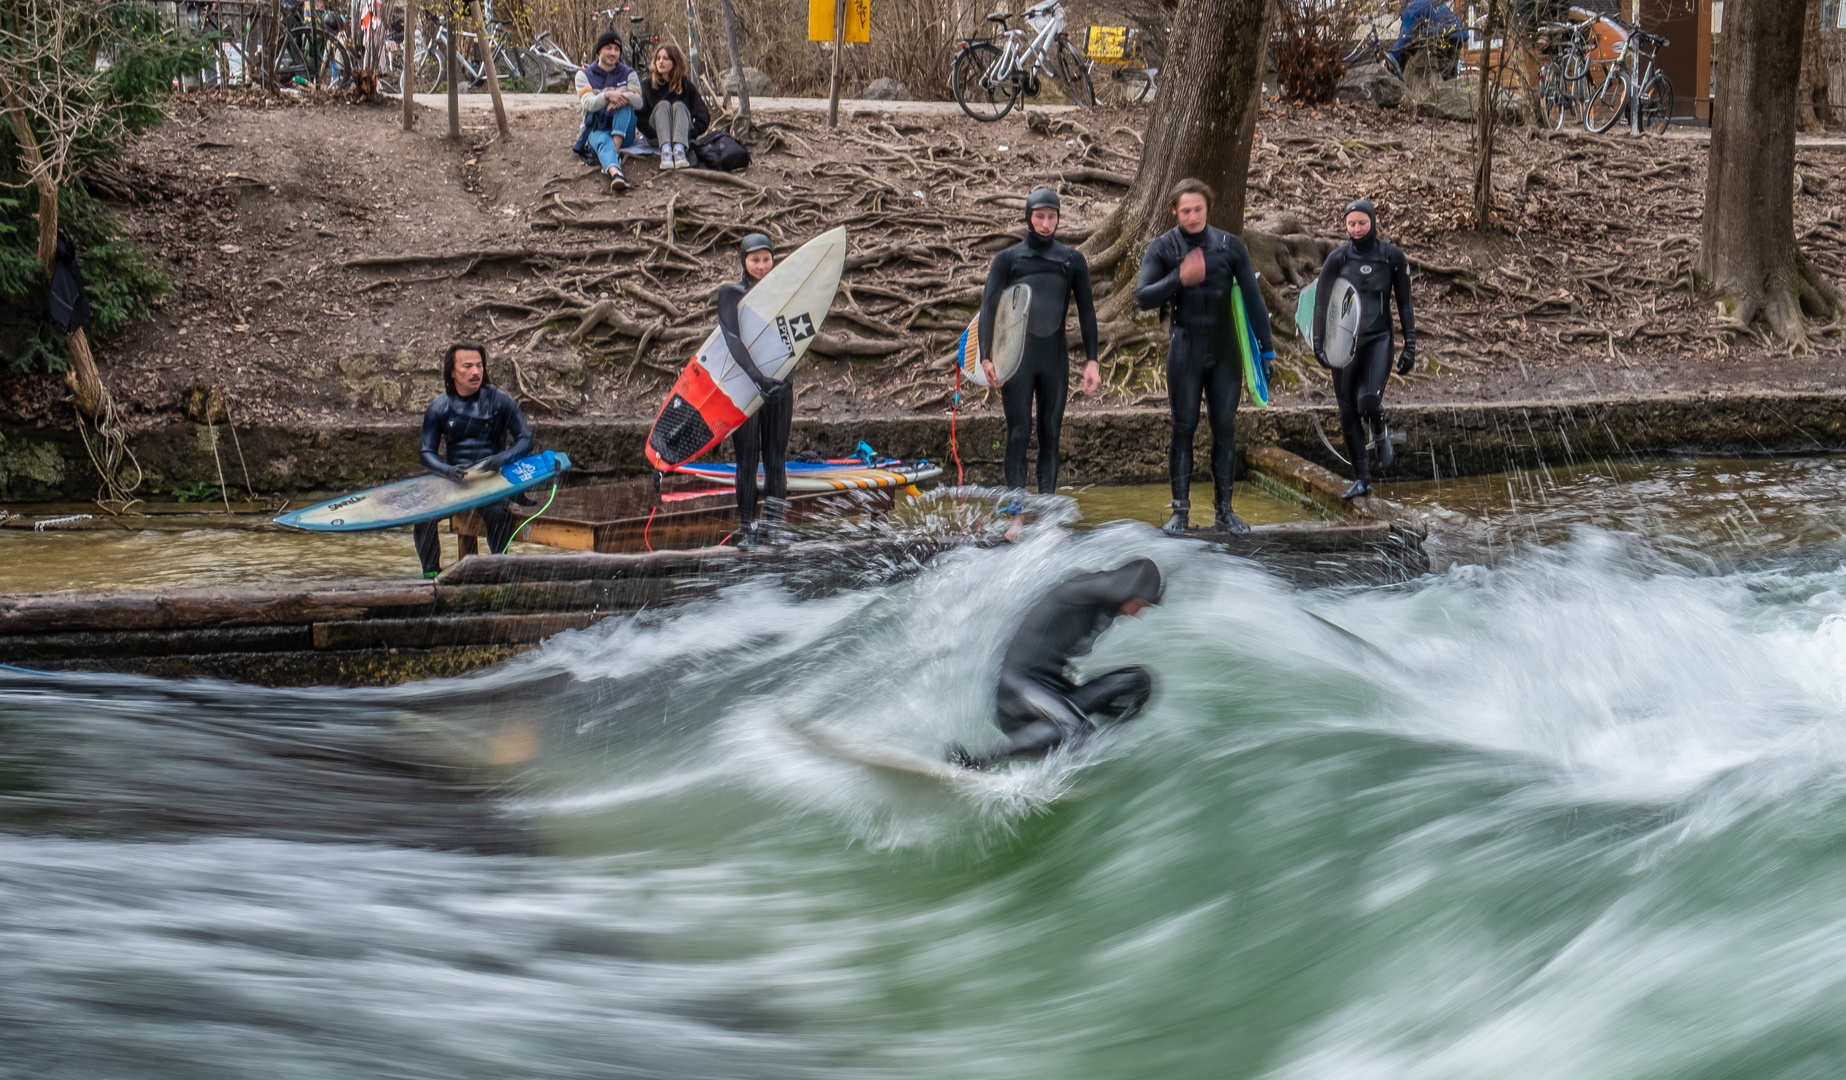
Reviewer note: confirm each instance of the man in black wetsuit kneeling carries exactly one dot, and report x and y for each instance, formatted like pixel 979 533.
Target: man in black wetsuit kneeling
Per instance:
pixel 1040 708
pixel 475 418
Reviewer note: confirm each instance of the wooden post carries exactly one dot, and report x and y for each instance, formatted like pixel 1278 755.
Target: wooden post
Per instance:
pixel 737 67
pixel 493 77
pixel 448 68
pixel 839 52
pixel 407 79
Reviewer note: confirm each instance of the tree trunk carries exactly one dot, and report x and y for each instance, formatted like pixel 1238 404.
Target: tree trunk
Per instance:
pixel 737 67
pixel 1747 251
pixel 407 74
pixel 1200 125
pixel 1487 119
pixel 1814 97
pixel 493 76
pixel 449 67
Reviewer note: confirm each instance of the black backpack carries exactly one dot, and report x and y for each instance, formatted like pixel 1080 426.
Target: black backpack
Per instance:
pixel 722 152
pixel 69 305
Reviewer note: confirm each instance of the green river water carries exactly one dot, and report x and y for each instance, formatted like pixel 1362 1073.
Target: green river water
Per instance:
pixel 1569 808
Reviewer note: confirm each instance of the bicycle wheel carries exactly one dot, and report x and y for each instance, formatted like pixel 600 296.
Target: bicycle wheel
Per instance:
pixel 978 89
pixel 1073 74
pixel 1657 105
pixel 430 74
pixel 1608 103
pixel 1553 97
pixel 1142 81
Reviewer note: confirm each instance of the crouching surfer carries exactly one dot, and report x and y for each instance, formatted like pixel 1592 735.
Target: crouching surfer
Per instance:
pixel 764 436
pixel 1040 708
pixel 475 419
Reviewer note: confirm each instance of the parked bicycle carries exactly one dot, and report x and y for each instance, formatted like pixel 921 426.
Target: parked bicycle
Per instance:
pixel 991 75
pixel 1131 57
pixel 1564 86
pixel 511 63
pixel 1633 87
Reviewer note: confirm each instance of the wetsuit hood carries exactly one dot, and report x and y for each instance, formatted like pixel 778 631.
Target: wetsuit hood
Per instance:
pixel 1370 239
pixel 1138 580
pixel 1042 199
pixel 756 241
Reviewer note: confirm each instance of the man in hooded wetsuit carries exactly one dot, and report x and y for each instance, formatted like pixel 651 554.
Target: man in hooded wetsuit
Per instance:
pixel 764 436
pixel 1378 271
pixel 1040 708
pixel 1056 273
pixel 475 418
pixel 1190 270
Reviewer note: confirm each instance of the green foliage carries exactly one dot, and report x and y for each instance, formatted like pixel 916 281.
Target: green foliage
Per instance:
pixel 114 63
pixel 200 492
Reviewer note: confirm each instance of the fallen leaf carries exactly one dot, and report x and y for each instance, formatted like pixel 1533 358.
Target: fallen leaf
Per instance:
pixel 229 249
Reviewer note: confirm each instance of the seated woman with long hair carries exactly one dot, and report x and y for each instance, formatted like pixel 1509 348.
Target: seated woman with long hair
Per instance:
pixel 672 111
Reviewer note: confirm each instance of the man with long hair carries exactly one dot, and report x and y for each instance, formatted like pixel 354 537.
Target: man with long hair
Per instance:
pixel 1189 273
pixel 475 419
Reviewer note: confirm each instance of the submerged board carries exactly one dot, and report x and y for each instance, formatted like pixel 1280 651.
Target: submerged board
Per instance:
pixel 1343 320
pixel 427 497
pixel 884 758
pixel 1009 341
pixel 777 320
pixel 852 474
pixel 1251 350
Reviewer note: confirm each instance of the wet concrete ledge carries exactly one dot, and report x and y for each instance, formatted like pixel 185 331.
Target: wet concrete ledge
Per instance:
pixel 1101 446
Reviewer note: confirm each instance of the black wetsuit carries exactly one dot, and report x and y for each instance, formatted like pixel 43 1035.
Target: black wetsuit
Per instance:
pixel 1039 706
pixel 1377 270
pixel 764 436
pixel 1203 354
pixel 475 428
pixel 1056 273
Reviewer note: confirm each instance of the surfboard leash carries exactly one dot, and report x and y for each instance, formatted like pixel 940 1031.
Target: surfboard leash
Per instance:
pixel 954 412
pixel 530 520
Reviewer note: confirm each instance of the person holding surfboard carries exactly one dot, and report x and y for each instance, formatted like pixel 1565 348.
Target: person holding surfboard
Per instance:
pixel 1056 274
pixel 1201 277
pixel 764 436
pixel 609 92
pixel 1377 271
pixel 1039 707
pixel 476 419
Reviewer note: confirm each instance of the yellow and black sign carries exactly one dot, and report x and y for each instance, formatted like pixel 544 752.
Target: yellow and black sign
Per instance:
pixel 858 20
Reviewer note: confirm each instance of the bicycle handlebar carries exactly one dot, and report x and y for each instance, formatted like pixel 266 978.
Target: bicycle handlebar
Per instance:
pixel 611 13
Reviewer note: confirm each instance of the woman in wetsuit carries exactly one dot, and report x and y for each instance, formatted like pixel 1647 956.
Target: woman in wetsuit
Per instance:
pixel 1190 271
pixel 764 436
pixel 1378 271
pixel 1039 707
pixel 475 419
pixel 1057 274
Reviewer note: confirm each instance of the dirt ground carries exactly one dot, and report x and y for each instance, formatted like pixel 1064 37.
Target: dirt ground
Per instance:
pixel 322 257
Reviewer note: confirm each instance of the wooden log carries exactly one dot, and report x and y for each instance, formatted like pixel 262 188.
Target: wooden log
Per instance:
pixel 447 631
pixel 29 648
pixel 557 596
pixel 495 569
pixel 201 608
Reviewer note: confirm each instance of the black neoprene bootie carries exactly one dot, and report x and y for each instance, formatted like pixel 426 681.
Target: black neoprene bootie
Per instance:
pixel 777 527
pixel 1229 522
pixel 747 536
pixel 1181 519
pixel 1360 489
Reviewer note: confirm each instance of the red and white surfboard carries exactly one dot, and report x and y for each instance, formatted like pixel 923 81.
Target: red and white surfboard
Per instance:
pixel 777 320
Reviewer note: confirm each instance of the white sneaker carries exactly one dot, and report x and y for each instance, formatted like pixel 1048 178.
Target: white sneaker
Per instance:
pixel 679 155
pixel 667 160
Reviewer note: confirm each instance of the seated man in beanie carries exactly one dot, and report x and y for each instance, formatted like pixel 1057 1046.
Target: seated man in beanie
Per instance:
pixel 610 92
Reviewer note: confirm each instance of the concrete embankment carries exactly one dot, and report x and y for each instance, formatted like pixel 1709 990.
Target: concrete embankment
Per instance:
pixel 1099 446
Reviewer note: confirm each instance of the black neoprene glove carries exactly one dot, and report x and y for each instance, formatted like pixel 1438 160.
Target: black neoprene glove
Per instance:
pixel 1406 359
pixel 457 473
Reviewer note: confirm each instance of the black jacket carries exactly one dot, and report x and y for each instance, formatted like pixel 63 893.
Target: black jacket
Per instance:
pixel 689 95
pixel 1066 622
pixel 1203 327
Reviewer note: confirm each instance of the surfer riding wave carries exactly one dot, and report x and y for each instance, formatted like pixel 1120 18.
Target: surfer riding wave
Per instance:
pixel 1039 707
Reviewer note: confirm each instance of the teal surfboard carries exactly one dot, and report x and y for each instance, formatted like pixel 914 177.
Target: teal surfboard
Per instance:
pixel 427 497
pixel 1252 350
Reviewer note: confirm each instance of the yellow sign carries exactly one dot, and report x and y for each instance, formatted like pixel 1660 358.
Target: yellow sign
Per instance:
pixel 858 20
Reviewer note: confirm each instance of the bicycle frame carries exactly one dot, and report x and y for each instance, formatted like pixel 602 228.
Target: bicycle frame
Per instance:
pixel 1015 59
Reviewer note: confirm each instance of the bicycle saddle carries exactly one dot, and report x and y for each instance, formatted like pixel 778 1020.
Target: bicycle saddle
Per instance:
pixel 637 18
pixel 999 17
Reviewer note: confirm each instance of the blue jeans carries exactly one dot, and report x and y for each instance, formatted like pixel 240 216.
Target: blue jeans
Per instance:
pixel 606 141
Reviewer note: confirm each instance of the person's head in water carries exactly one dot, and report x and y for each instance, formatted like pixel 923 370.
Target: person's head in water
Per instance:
pixel 609 50
pixel 1190 202
pixel 758 254
pixel 464 368
pixel 1042 210
pixel 1361 220
pixel 1146 586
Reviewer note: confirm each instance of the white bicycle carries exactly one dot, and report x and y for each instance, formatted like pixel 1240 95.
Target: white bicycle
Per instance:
pixel 991 75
